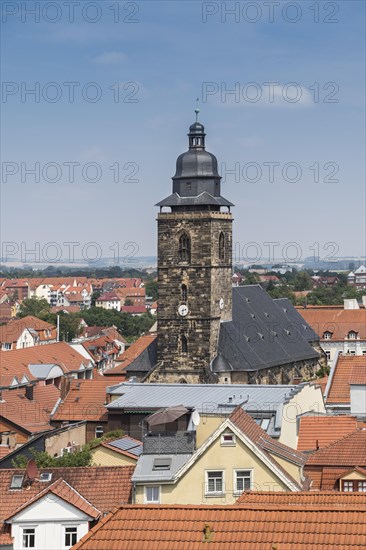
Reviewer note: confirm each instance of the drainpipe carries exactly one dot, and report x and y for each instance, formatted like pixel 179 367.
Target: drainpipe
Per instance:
pixel 58 329
pixel 133 496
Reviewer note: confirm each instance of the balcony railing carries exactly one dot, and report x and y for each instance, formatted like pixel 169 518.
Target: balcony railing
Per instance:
pixel 179 443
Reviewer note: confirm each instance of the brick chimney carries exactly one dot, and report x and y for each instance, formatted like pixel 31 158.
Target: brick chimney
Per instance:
pixel 29 392
pixel 65 386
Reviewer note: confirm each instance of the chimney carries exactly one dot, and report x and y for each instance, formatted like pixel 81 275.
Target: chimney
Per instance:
pixel 65 386
pixel 29 392
pixel 364 301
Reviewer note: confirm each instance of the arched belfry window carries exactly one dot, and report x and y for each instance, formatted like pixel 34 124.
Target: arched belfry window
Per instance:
pixel 184 293
pixel 221 247
pixel 184 344
pixel 184 249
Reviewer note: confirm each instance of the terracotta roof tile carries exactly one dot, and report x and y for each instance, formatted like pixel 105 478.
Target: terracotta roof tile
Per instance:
pixel 339 391
pixel 348 451
pixel 316 432
pixel 306 522
pixel 63 490
pixel 104 487
pixel 85 401
pixel 339 321
pixel 30 415
pixel 358 374
pixel 15 362
pixel 131 353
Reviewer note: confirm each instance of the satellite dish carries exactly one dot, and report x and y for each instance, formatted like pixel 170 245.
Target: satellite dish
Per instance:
pixel 32 470
pixel 196 419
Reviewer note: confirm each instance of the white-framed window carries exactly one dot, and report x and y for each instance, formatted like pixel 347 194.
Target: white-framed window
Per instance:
pixel 16 481
pixel 352 335
pixel 152 494
pixel 29 537
pixel 71 536
pixel 214 483
pixel 348 486
pixel 327 335
pixel 327 353
pixel 99 431
pixel 228 439
pixel 242 481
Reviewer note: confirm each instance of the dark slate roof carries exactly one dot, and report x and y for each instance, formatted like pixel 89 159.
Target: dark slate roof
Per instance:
pixel 297 319
pixel 260 334
pixel 202 199
pixel 127 444
pixel 145 361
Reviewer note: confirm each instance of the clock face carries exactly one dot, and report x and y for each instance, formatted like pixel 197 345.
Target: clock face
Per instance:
pixel 183 310
pixel 221 303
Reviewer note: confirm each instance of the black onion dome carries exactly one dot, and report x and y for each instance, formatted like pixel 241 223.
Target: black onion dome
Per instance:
pixel 196 163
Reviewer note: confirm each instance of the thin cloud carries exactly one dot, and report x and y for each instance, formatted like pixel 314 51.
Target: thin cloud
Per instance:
pixel 111 58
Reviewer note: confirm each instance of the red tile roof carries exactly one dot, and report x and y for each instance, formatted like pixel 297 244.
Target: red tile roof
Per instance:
pixel 348 451
pixel 339 321
pixel 131 354
pixel 133 309
pixel 316 432
pixel 15 362
pixel 272 449
pixel 62 489
pixel 103 487
pixel 339 391
pixel 12 331
pixel 85 401
pixel 32 416
pixel 358 374
pixel 303 524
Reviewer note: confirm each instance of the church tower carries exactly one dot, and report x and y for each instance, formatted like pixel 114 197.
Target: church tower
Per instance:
pixel 194 266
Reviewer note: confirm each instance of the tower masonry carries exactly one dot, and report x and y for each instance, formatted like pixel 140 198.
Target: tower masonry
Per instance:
pixel 194 267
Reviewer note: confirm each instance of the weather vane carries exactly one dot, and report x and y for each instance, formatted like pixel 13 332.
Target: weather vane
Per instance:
pixel 197 109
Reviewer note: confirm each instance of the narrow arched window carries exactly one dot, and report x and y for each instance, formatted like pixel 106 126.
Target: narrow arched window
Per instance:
pixel 184 344
pixel 221 247
pixel 184 293
pixel 184 249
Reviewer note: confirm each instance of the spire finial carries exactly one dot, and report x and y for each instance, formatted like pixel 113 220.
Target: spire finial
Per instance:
pixel 197 109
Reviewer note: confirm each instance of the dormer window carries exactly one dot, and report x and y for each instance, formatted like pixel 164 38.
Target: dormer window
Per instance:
pixel 327 335
pixel 189 185
pixel 352 335
pixel 17 481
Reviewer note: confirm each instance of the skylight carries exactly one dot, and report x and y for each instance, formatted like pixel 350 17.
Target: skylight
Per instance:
pixel 17 481
pixel 162 464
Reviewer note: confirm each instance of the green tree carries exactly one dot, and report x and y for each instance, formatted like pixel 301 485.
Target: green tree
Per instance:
pixel 151 288
pixel 44 460
pixel 34 306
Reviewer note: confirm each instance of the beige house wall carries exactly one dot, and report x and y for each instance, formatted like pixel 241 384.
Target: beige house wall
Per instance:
pixel 106 457
pixel 310 398
pixel 190 489
pixel 55 443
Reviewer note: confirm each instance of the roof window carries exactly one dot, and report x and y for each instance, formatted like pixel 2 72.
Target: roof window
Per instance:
pixel 17 481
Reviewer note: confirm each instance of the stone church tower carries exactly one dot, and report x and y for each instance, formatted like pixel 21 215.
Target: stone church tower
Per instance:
pixel 194 267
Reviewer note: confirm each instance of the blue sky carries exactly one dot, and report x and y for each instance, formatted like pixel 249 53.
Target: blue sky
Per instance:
pixel 159 57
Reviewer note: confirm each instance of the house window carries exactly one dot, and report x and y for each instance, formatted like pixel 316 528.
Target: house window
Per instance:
pixel 361 487
pixel 222 247
pixel 71 536
pixel 184 293
pixel 242 480
pixel 184 249
pixel 327 353
pixel 16 482
pixel 7 346
pixel 352 335
pixel 189 185
pixel 354 485
pixel 152 494
pixel 348 486
pixel 184 344
pixel 228 439
pixel 161 464
pixel 99 431
pixel 215 482
pixel 29 537
pixel 327 335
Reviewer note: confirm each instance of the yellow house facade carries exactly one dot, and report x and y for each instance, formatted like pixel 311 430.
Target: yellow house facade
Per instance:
pixel 237 456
